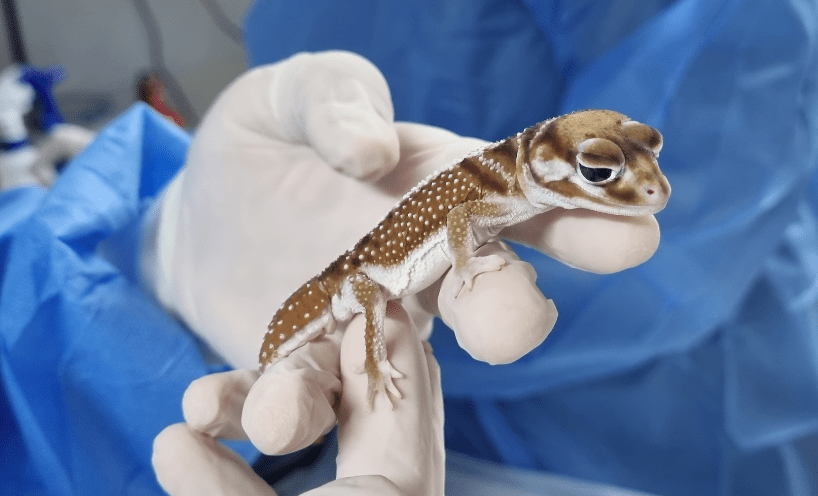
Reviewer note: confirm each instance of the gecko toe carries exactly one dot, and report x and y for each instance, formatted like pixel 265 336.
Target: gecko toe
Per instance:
pixel 383 382
pixel 474 267
pixel 388 373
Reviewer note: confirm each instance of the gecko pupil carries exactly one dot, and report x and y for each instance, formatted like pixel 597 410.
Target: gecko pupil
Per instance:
pixel 596 174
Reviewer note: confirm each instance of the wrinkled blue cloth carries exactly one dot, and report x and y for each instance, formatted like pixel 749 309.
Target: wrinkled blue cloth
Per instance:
pixel 697 372
pixel 92 368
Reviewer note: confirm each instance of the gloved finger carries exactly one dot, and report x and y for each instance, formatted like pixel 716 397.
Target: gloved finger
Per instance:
pixel 591 241
pixel 293 402
pixel 504 316
pixel 347 113
pixel 401 440
pixel 212 404
pixel 423 151
pixel 188 462
pixel 336 103
pixel 362 485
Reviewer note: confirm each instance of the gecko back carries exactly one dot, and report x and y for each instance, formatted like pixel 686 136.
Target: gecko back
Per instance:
pixel 304 315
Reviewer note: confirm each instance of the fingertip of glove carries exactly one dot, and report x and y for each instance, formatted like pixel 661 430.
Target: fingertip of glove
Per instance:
pixel 366 156
pixel 282 414
pixel 347 114
pixel 353 137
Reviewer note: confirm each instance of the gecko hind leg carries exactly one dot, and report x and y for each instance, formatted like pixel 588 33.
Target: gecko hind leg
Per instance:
pixel 376 365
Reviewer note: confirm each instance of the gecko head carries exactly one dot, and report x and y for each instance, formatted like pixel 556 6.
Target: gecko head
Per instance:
pixel 594 159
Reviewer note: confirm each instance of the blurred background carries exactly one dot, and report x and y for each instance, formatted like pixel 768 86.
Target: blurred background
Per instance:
pixel 106 47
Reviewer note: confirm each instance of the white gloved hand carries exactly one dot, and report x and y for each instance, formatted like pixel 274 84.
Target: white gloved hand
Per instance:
pixel 293 163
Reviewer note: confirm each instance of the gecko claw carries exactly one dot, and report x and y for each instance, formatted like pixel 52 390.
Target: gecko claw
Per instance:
pixel 383 382
pixel 474 267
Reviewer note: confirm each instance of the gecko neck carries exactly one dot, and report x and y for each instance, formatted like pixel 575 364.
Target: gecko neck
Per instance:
pixel 530 187
pixel 522 170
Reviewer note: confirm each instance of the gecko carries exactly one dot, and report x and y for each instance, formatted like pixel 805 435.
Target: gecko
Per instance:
pixel 594 159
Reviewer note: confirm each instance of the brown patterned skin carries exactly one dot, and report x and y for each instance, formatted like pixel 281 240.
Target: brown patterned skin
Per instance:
pixel 446 217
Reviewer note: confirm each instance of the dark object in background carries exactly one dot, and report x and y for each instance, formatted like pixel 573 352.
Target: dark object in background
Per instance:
pixel 151 90
pixel 15 35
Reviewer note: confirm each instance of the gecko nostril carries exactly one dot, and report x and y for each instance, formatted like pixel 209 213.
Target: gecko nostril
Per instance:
pixel 650 191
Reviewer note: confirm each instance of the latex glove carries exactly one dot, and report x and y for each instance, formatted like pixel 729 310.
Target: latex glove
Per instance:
pixel 268 198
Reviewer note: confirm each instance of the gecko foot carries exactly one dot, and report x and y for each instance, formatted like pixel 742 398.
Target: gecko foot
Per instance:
pixel 474 267
pixel 382 381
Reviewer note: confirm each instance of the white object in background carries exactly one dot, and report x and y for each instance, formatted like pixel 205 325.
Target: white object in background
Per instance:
pixel 21 163
pixel 17 155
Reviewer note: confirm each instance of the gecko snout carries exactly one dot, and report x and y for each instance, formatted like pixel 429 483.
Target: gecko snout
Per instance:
pixel 656 193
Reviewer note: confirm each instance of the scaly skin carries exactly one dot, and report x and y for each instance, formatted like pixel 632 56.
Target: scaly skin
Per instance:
pixel 596 159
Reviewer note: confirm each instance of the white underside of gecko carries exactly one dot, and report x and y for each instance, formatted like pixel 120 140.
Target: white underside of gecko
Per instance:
pixel 324 324
pixel 422 267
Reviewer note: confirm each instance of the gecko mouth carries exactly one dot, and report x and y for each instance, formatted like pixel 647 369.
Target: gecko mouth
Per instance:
pixel 650 200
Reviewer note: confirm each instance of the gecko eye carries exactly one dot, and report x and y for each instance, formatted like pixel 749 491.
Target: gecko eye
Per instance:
pixel 596 175
pixel 599 161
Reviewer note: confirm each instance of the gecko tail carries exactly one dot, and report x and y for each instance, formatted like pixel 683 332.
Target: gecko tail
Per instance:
pixel 304 316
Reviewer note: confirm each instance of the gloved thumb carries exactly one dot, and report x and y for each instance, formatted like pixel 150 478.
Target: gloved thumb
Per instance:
pixel 337 103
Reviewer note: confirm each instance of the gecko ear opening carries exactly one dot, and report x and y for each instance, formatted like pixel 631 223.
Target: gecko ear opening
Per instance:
pixel 599 161
pixel 644 135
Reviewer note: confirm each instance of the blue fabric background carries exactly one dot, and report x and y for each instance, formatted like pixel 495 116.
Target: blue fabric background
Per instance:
pixel 695 373
pixel 92 368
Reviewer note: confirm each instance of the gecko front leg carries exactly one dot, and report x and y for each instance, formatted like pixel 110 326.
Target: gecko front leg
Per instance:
pixel 376 365
pixel 460 228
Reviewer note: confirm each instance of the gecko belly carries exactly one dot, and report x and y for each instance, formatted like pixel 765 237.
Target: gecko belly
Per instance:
pixel 421 267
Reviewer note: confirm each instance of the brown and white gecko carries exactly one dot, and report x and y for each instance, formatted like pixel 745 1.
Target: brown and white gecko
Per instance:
pixel 595 159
